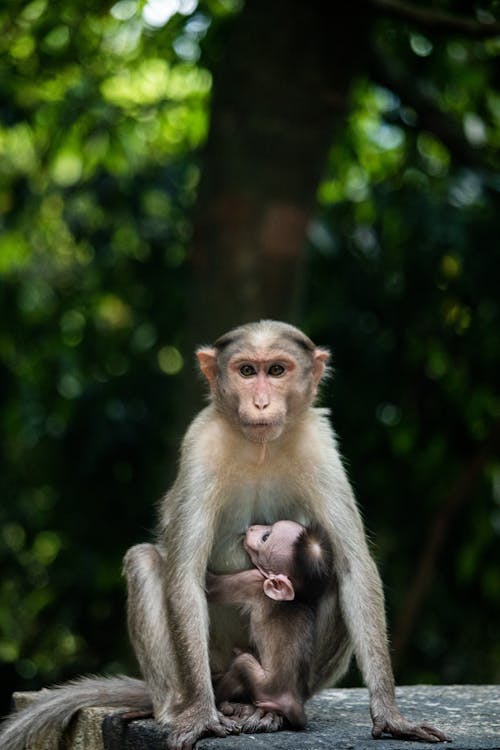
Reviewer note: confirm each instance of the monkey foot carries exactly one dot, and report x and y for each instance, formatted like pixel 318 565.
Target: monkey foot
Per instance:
pixel 185 739
pixel 252 720
pixel 400 728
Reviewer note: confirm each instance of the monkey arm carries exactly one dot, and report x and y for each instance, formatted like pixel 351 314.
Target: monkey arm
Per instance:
pixel 234 588
pixel 362 605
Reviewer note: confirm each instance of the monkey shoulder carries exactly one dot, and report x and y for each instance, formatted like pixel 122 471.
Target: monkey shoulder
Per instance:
pixel 320 419
pixel 206 439
pixel 316 437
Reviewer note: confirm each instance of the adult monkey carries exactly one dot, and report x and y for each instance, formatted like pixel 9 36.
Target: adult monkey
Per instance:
pixel 258 453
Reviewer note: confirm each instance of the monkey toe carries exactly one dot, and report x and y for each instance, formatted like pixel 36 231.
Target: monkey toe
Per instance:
pixel 229 725
pixel 401 729
pixel 237 711
pixel 261 721
pixel 273 722
pixel 428 733
pixel 185 739
pixel 440 736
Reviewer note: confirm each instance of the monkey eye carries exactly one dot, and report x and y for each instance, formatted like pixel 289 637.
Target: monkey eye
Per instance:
pixel 247 371
pixel 276 370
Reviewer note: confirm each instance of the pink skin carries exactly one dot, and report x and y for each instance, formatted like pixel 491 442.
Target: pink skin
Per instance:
pixel 262 384
pixel 270 547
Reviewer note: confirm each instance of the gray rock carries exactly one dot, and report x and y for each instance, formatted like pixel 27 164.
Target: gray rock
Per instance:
pixel 339 719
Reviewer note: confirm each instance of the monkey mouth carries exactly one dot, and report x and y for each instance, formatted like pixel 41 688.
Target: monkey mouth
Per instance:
pixel 259 424
pixel 261 430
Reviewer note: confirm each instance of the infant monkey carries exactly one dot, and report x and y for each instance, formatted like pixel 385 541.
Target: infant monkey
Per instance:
pixel 293 565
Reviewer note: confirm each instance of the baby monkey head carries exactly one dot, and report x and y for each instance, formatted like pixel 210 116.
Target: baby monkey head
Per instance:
pixel 296 561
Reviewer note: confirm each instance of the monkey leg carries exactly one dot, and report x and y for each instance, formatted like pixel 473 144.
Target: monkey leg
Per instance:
pixel 232 684
pixel 148 623
pixel 246 679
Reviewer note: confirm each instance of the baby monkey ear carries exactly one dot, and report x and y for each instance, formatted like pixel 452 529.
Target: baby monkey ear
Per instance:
pixel 279 587
pixel 207 360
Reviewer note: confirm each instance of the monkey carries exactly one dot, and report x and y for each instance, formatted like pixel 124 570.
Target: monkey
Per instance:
pixel 292 569
pixel 259 451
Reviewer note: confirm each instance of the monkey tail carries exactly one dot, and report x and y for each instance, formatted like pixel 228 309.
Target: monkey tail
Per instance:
pixel 54 708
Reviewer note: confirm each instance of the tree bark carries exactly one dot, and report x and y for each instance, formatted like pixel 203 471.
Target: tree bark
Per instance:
pixel 280 89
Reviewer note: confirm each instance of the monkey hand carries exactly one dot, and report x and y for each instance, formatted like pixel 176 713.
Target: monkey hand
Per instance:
pixel 187 730
pixel 396 725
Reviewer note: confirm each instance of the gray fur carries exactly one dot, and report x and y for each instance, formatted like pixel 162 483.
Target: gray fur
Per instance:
pixel 55 707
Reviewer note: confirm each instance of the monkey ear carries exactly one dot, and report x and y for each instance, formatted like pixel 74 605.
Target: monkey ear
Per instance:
pixel 279 587
pixel 207 360
pixel 320 362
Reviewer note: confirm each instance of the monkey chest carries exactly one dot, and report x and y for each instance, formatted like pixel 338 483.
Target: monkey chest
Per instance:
pixel 250 503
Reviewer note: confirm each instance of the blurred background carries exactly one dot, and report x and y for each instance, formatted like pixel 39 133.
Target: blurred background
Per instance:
pixel 169 168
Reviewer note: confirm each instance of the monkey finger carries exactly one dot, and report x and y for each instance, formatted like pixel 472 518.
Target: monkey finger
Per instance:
pixel 253 723
pixel 273 721
pixel 185 739
pixel 263 721
pixel 426 733
pixel 406 731
pixel 232 726
pixel 442 737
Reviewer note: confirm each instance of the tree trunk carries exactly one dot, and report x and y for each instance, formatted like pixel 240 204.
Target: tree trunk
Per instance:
pixel 280 90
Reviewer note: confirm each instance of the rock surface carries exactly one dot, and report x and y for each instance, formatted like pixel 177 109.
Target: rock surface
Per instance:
pixel 338 719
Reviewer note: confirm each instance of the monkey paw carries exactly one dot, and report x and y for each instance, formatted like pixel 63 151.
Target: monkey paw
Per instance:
pixel 185 737
pixel 263 721
pixel 397 726
pixel 252 720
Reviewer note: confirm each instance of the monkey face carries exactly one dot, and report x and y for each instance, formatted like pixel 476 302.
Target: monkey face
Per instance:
pixel 270 548
pixel 263 377
pixel 262 388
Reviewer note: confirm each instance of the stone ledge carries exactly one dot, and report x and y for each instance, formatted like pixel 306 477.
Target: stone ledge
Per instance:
pixel 338 719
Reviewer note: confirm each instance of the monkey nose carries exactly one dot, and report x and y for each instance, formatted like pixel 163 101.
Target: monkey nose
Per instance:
pixel 261 402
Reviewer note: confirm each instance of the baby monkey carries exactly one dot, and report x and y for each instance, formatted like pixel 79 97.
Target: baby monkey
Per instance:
pixel 293 565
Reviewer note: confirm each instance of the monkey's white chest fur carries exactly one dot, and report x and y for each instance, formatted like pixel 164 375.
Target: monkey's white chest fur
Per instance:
pixel 250 502
pixel 251 483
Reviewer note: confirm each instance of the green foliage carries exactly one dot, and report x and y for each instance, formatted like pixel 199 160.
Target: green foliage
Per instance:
pixel 100 118
pixel 405 250
pixel 103 110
